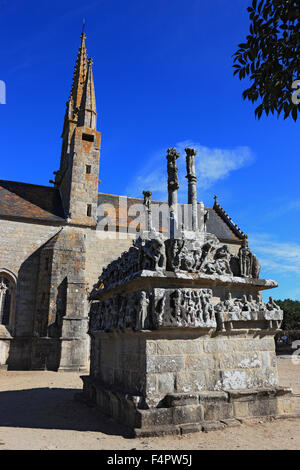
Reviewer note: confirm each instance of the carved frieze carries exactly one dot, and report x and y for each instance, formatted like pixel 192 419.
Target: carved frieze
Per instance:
pixel 247 308
pixel 153 309
pixel 184 307
pixel 177 255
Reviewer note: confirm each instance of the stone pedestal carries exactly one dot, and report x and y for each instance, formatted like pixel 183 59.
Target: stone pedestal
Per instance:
pixel 166 357
pixel 178 381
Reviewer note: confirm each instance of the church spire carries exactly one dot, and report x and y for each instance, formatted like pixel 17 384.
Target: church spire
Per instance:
pixel 87 113
pixel 77 177
pixel 79 78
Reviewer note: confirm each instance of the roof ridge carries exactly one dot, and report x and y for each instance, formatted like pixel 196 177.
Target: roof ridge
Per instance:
pixel 28 184
pixel 153 200
pixel 228 220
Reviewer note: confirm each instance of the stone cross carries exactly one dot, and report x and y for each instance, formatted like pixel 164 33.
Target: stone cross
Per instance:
pixel 147 204
pixel 192 185
pixel 173 185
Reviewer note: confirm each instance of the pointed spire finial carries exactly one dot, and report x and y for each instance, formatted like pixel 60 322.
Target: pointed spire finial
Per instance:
pixel 83 26
pixel 87 112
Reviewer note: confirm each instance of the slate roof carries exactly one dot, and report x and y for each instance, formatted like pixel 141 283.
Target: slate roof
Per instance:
pixel 216 225
pixel 30 201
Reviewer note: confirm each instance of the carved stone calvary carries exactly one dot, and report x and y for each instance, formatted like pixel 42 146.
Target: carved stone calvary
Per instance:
pixel 180 336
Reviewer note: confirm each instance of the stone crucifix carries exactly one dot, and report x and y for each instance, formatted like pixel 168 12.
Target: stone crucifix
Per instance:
pixel 192 185
pixel 173 186
pixel 147 204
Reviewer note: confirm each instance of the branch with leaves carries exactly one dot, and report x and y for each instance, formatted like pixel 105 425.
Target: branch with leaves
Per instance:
pixel 270 57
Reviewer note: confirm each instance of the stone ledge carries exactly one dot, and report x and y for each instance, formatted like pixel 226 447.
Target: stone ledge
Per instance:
pixel 213 396
pixel 180 399
pixel 157 431
pixel 185 413
pixel 251 395
pixel 144 278
pixel 212 426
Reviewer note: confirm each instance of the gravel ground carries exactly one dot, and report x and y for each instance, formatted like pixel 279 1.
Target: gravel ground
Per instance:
pixel 37 412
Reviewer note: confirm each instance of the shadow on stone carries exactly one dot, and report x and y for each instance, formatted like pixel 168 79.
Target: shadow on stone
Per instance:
pixel 53 408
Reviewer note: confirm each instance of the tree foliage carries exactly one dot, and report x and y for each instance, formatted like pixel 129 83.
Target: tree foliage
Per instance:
pixel 291 314
pixel 270 57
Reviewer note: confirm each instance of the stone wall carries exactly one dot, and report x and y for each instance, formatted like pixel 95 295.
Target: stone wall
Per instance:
pixel 102 250
pixel 19 254
pixel 61 307
pixel 26 255
pixel 157 363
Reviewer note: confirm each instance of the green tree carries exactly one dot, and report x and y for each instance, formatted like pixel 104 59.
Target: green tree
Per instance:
pixel 291 314
pixel 270 57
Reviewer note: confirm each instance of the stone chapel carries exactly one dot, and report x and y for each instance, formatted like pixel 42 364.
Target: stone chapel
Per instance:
pixel 51 252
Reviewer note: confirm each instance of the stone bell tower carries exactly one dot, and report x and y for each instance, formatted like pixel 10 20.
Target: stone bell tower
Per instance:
pixel 77 177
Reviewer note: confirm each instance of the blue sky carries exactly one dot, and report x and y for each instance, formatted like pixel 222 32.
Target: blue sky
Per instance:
pixel 163 76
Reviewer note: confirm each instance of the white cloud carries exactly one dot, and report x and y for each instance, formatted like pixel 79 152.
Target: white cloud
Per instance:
pixel 284 208
pixel 212 165
pixel 275 256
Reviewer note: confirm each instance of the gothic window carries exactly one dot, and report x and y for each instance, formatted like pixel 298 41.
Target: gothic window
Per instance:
pixel 6 299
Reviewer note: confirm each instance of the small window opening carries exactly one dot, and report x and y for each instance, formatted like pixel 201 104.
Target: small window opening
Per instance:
pixel 88 169
pixel 88 137
pixel 6 292
pixel 89 210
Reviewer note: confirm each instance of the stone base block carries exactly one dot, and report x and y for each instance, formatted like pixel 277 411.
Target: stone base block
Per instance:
pixel 183 413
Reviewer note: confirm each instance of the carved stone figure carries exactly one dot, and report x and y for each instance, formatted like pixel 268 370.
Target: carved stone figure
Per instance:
pixel 273 314
pixel 154 255
pixel 175 307
pixel 235 265
pixel 228 310
pixel 245 257
pixel 142 310
pixel 94 317
pixel 220 264
pixel 147 204
pixel 175 253
pixel 255 267
pixel 158 307
pixel 254 307
pixel 222 257
pixel 173 183
pixel 187 259
pixel 271 305
pixel 208 314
